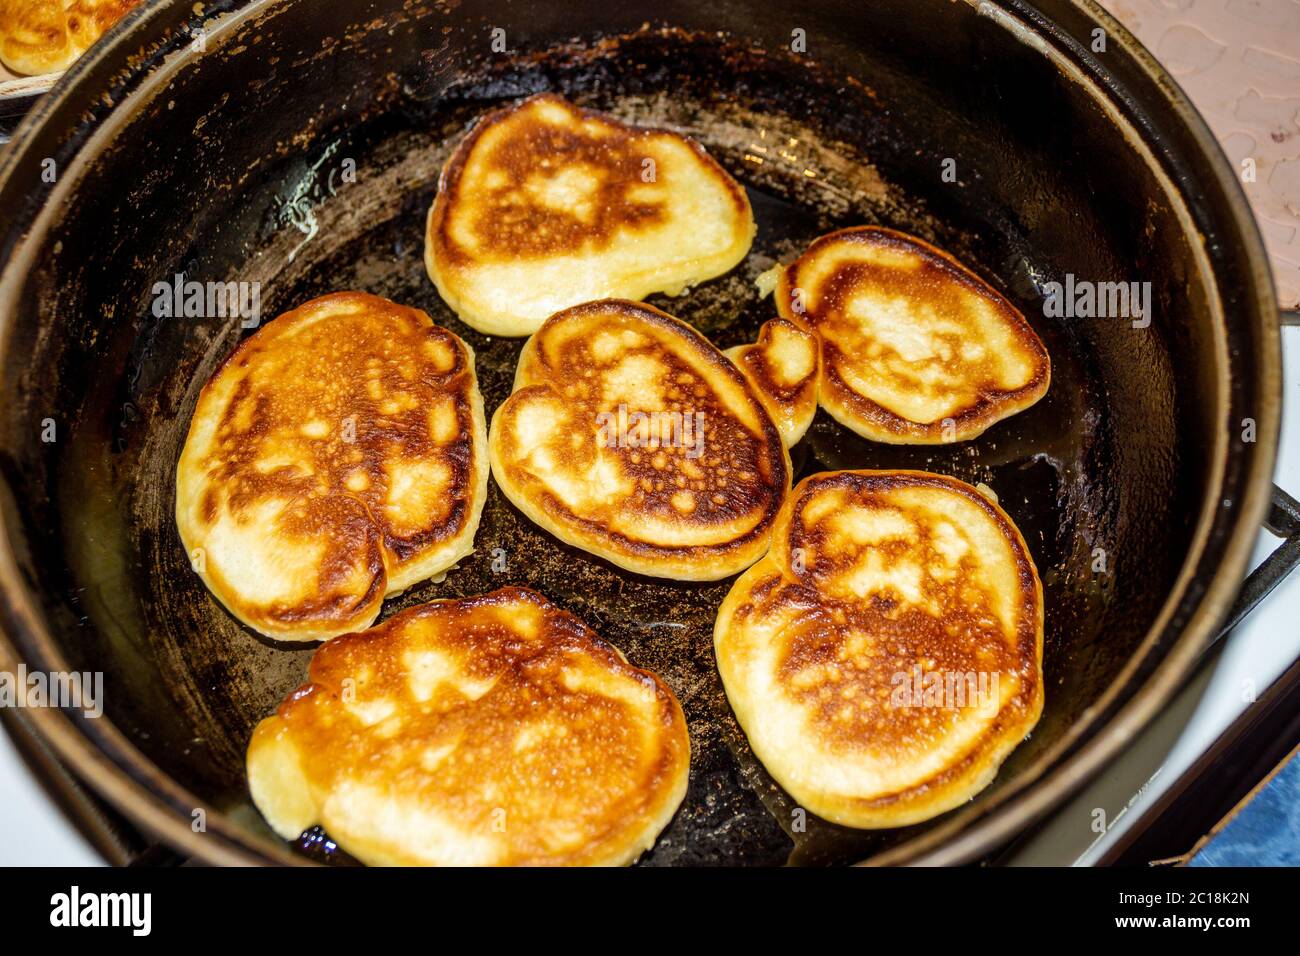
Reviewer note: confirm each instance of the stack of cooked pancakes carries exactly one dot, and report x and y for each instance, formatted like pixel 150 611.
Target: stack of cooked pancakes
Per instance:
pixel 338 456
pixel 544 206
pixel 496 730
pixel 46 36
pixel 630 436
pixel 886 655
pixel 915 348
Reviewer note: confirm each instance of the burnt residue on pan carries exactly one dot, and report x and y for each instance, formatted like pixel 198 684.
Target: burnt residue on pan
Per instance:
pixel 348 212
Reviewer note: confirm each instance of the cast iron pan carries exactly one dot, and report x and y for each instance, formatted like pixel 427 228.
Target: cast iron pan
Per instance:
pixel 230 165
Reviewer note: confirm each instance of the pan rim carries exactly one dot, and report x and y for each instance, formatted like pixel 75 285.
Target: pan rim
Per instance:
pixel 157 803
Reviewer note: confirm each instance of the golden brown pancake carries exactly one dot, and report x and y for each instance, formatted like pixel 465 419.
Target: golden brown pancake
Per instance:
pixel 338 456
pixel 782 367
pixel 46 36
pixel 630 436
pixel 885 656
pixel 915 348
pixel 491 731
pixel 544 205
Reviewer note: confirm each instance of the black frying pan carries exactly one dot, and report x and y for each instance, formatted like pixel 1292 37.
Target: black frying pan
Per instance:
pixel 227 163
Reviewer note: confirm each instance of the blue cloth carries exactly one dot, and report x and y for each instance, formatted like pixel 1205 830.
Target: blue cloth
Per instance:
pixel 1265 832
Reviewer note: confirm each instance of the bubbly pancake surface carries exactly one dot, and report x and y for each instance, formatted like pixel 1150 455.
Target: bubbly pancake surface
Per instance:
pixel 630 436
pixel 886 655
pixel 915 348
pixel 495 730
pixel 544 206
pixel 46 36
pixel 338 456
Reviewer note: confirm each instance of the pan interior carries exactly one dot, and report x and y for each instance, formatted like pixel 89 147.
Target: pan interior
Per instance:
pixel 1101 487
